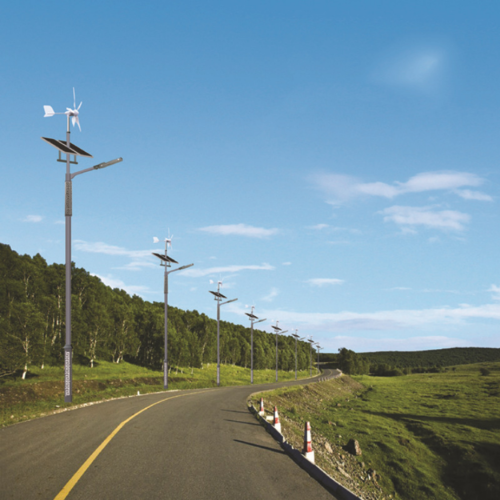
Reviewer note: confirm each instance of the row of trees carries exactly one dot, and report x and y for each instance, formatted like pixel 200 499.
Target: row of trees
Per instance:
pixel 108 324
pixel 354 364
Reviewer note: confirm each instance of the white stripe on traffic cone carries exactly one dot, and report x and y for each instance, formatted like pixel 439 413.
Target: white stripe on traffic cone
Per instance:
pixel 261 411
pixel 308 451
pixel 277 424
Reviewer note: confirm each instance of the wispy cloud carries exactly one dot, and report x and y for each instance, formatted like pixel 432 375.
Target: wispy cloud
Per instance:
pixel 196 273
pixel 324 281
pixel 467 194
pixel 418 67
pixel 286 264
pixel 318 227
pixel 341 188
pixel 137 265
pixel 33 218
pixel 495 290
pixel 425 216
pixel 117 283
pixel 367 344
pixel 271 295
pixel 400 319
pixel 240 230
pixel 104 248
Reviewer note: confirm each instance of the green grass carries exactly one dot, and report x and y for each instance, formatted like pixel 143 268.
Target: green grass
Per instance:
pixel 428 436
pixel 42 392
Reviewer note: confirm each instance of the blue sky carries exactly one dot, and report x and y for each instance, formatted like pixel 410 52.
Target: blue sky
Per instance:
pixel 336 164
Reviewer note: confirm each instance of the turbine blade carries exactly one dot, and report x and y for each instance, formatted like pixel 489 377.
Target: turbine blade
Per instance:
pixel 79 106
pixel 48 111
pixel 73 120
pixel 74 98
pixel 78 123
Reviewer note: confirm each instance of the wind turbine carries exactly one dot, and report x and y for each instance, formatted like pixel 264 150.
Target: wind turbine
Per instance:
pixel 73 113
pixel 69 149
pixel 253 319
pixel 218 297
pixel 166 262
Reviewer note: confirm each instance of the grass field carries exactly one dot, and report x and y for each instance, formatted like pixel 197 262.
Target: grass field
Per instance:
pixel 427 436
pixel 42 392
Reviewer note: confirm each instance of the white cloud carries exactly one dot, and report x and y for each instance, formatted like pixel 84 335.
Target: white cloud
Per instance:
pixel 104 248
pixel 400 319
pixel 324 281
pixel 137 265
pixel 286 264
pixel 467 194
pixel 418 67
pixel 117 283
pixel 33 218
pixel 271 295
pixel 344 187
pixel 197 273
pixel 495 290
pixel 318 226
pixel 425 216
pixel 366 344
pixel 240 230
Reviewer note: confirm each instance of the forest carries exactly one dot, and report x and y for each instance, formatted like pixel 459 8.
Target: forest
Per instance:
pixel 392 363
pixel 108 324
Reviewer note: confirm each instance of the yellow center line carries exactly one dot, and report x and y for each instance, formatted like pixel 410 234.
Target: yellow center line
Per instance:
pixel 81 471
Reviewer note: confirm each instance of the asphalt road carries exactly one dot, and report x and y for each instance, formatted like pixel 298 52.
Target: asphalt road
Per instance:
pixel 200 444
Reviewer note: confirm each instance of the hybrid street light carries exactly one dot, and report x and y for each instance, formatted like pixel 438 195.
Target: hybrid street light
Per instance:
pixel 167 262
pixel 318 348
pixel 311 341
pixel 296 338
pixel 252 317
pixel 69 149
pixel 278 330
pixel 218 298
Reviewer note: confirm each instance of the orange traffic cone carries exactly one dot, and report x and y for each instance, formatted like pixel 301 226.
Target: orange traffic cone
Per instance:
pixel 308 451
pixel 277 424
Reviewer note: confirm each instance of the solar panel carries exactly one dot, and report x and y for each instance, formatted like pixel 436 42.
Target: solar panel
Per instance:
pixel 57 144
pixel 79 151
pixel 252 316
pixel 165 258
pixel 63 147
pixel 219 295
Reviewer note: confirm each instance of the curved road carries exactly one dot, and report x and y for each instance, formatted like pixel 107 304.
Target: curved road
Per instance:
pixel 198 444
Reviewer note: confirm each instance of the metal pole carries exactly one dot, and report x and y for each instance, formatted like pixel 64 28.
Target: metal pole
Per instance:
pixel 251 352
pixel 68 208
pixel 295 358
pixel 218 343
pixel 310 360
pixel 165 361
pixel 276 355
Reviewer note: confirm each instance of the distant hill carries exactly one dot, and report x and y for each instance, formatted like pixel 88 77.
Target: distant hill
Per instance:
pixel 437 357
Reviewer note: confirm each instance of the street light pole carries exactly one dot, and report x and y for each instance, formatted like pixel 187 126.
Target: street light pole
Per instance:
pixel 218 298
pixel 166 262
pixel 277 329
pixel 318 348
pixel 311 342
pixel 296 338
pixel 70 149
pixel 252 321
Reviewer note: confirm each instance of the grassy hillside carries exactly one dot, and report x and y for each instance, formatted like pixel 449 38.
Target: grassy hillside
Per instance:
pixel 43 393
pixel 426 436
pixel 438 357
